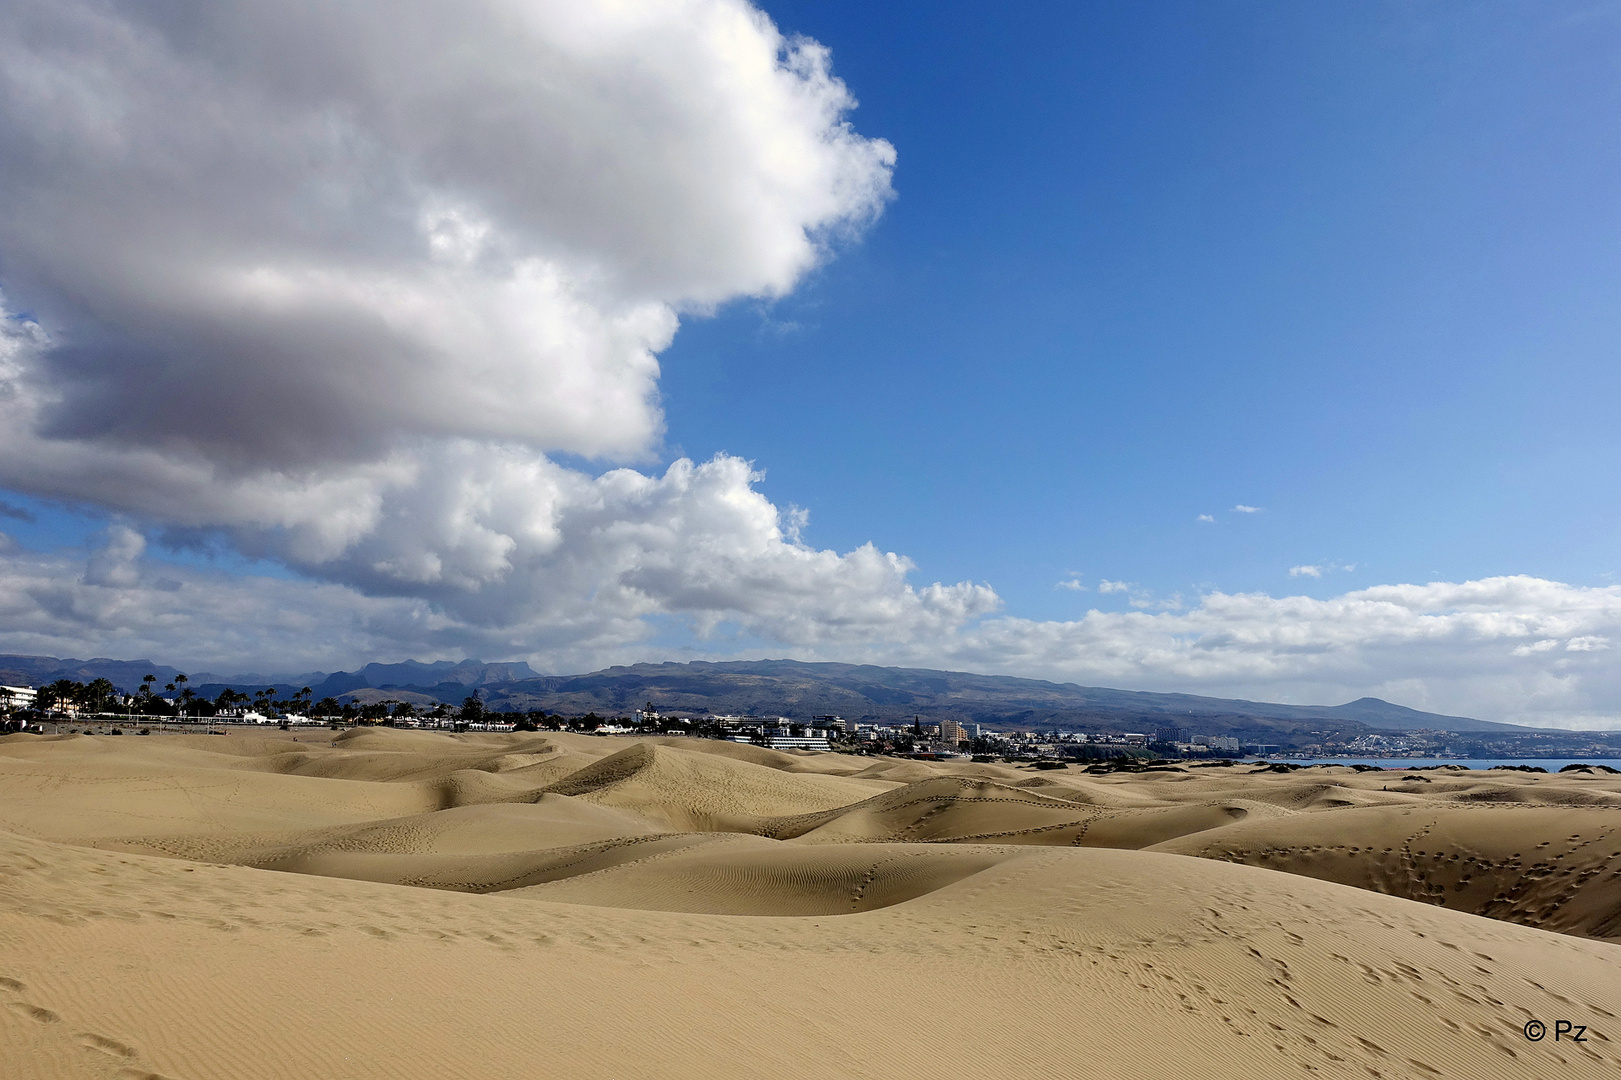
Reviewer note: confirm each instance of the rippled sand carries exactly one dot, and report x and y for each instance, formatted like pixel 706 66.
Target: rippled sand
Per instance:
pixel 401 904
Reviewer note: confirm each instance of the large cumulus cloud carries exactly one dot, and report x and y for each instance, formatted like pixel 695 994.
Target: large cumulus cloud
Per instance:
pixel 275 235
pixel 334 279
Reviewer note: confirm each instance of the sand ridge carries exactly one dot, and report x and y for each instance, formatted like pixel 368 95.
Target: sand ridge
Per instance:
pixel 406 904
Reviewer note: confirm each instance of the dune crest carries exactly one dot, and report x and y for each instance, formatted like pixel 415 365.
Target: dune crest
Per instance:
pixel 409 904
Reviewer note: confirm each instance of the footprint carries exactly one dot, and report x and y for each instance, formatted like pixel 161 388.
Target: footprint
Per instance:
pixel 34 1012
pixel 91 1041
pixel 139 1074
pixel 10 984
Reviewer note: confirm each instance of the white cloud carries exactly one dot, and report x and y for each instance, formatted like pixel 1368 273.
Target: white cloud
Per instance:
pixel 627 552
pixel 338 290
pixel 1242 509
pixel 1498 648
pixel 57 605
pixel 1516 649
pixel 271 237
pixel 334 280
pixel 1207 518
pixel 1073 584
pixel 116 563
pixel 1139 597
pixel 1317 570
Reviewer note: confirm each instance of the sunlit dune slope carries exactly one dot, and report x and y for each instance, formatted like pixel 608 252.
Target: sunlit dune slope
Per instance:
pixel 644 822
pixel 687 790
pixel 409 904
pixel 1045 962
pixel 79 787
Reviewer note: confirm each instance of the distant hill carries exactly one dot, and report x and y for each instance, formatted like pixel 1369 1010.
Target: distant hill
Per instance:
pixel 795 688
pixel 789 688
pixel 38 670
pixel 457 678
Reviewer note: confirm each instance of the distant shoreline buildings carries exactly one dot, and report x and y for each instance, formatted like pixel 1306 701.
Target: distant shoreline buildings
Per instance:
pixel 104 705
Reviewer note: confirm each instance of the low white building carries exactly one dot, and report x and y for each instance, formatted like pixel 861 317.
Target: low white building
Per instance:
pixel 21 697
pixel 797 742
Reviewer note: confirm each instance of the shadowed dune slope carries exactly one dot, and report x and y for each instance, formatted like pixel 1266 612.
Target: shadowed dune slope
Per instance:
pixel 460 832
pixel 965 810
pixel 1551 866
pixel 742 875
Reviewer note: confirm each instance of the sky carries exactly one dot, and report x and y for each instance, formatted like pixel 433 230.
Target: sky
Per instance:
pixel 1253 349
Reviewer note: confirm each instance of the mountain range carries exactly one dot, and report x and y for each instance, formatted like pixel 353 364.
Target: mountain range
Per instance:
pixel 783 687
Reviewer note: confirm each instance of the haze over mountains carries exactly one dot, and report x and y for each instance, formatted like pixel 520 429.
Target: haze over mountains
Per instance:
pixel 780 687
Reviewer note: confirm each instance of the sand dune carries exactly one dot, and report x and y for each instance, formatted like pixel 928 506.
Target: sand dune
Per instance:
pixel 79 788
pixel 687 790
pixel 406 904
pixel 739 875
pixel 1553 867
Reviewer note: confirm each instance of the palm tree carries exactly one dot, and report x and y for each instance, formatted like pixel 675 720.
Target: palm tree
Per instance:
pixel 59 694
pixel 99 694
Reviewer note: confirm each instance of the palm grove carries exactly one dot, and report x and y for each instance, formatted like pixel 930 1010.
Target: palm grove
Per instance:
pixel 99 698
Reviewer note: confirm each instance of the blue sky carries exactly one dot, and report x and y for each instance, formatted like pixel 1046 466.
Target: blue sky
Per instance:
pixel 1355 264
pixel 461 334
